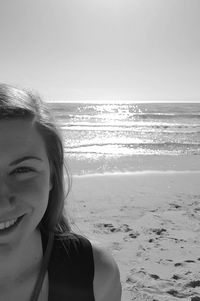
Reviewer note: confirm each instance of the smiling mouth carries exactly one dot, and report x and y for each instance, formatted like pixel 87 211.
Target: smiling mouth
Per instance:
pixel 9 226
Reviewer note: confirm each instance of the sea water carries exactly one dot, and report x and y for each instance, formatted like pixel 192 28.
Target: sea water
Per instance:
pixel 106 137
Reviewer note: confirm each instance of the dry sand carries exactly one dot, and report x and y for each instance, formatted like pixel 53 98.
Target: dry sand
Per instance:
pixel 150 222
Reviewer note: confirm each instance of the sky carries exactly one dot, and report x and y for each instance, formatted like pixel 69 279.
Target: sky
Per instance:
pixel 72 50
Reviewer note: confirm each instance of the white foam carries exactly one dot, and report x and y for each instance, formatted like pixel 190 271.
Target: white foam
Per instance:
pixel 139 172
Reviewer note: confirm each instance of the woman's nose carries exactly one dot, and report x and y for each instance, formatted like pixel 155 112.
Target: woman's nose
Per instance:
pixel 6 195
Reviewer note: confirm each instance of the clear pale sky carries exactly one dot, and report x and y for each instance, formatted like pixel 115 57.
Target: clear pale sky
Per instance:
pixel 102 49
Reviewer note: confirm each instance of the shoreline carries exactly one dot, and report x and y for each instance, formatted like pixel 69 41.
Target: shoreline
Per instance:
pixel 137 173
pixel 103 164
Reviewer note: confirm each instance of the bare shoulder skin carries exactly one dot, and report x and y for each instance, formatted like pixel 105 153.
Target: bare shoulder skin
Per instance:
pixel 107 285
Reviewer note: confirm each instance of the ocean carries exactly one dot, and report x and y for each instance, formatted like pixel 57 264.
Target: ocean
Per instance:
pixel 101 138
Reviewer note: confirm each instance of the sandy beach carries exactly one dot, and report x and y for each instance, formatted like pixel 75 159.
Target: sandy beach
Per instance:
pixel 150 223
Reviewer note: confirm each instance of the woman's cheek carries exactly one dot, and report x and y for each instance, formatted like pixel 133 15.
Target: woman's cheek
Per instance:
pixel 33 187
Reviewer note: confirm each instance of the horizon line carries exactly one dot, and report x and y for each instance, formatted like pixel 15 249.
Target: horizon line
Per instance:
pixel 175 101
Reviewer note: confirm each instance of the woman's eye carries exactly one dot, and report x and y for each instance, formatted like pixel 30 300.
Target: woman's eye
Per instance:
pixel 22 170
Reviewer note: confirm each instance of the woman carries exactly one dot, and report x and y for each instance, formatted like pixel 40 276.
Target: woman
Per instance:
pixel 40 257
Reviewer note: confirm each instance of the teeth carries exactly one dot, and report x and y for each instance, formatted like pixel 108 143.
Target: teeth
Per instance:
pixel 7 224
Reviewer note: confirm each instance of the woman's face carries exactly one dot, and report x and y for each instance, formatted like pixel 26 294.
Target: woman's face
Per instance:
pixel 24 181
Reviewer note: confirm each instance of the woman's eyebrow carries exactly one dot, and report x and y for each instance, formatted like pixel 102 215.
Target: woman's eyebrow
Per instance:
pixel 23 159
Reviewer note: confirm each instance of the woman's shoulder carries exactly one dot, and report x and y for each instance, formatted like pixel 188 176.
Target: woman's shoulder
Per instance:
pixel 107 285
pixel 106 281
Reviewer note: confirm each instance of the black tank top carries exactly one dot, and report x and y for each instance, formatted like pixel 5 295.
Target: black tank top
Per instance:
pixel 70 268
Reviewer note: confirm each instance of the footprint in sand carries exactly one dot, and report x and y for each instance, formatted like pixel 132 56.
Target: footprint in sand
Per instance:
pixel 178 264
pixel 176 277
pixel 157 231
pixel 193 284
pixel 116 246
pixel 109 227
pixel 154 276
pixel 177 294
pixel 131 236
pixel 190 261
pixel 176 206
